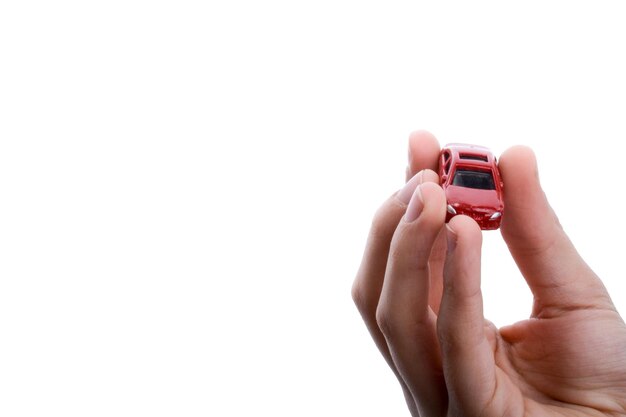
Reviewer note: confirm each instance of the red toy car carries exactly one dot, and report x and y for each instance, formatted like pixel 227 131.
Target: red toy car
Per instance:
pixel 470 178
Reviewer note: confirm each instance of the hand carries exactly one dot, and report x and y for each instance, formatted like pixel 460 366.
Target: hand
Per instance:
pixel 418 291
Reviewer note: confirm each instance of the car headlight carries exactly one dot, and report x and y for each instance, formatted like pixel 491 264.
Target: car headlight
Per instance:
pixel 451 209
pixel 495 215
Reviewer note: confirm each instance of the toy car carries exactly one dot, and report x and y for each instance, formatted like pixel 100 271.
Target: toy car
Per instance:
pixel 471 181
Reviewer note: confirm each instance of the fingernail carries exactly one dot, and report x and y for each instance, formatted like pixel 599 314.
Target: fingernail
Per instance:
pixel 405 193
pixel 415 206
pixel 450 238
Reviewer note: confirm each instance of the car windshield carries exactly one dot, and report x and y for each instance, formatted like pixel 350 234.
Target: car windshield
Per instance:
pixel 470 178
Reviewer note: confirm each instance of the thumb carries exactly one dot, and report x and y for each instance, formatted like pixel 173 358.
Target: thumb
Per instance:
pixel 556 274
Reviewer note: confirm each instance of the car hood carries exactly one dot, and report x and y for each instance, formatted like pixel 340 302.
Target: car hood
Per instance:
pixel 471 196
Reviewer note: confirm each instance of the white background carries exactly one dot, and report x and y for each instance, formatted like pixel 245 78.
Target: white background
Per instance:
pixel 185 187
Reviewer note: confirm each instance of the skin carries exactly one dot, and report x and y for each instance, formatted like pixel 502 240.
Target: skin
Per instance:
pixel 418 291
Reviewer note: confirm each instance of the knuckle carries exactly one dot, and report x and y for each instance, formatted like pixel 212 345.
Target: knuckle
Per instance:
pixel 364 300
pixel 385 322
pixel 448 340
pixel 410 250
pixel 385 220
pixel 358 295
pixel 380 229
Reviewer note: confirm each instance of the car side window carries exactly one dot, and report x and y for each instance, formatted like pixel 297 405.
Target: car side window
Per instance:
pixel 446 163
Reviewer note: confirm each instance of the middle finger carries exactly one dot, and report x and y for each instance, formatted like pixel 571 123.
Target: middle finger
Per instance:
pixel 403 314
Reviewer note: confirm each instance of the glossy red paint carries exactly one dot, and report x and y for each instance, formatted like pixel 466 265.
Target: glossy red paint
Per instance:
pixel 470 178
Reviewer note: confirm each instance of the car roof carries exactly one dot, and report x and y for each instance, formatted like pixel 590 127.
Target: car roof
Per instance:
pixel 465 154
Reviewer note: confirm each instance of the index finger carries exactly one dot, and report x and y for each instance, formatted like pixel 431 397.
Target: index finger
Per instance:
pixel 423 152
